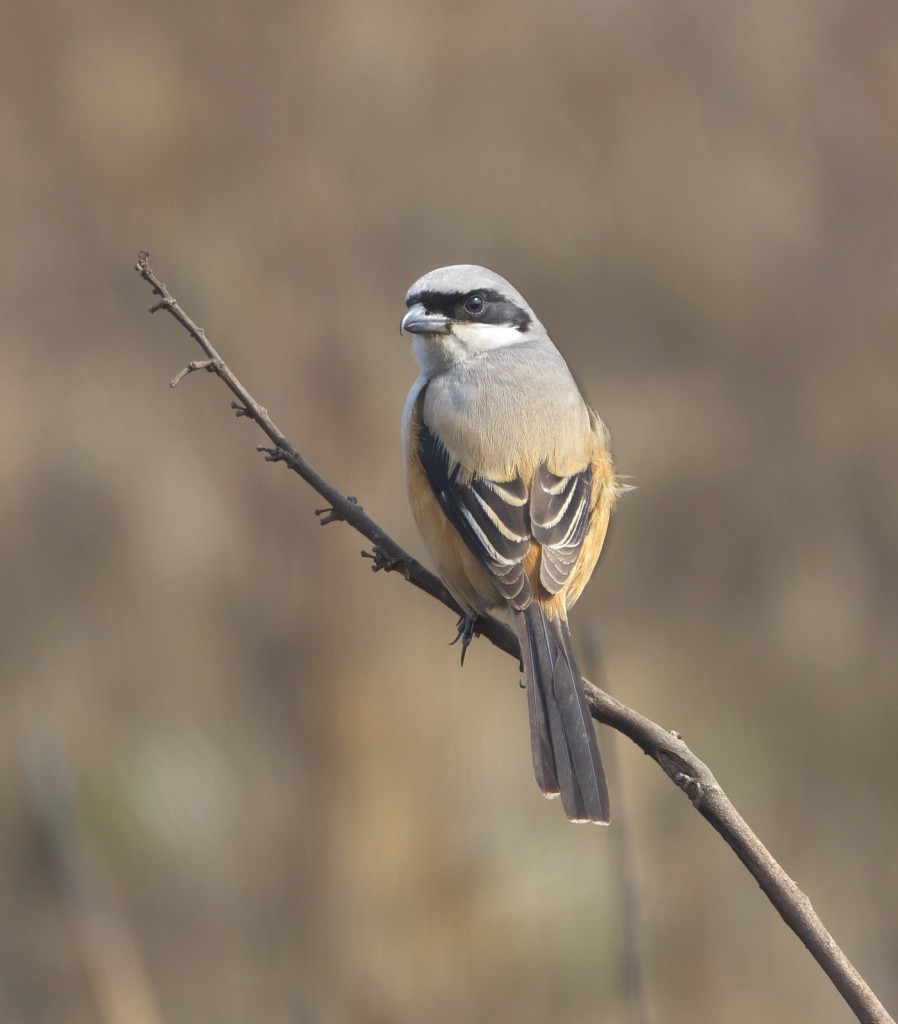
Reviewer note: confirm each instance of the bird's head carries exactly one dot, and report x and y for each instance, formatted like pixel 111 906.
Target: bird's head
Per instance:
pixel 461 311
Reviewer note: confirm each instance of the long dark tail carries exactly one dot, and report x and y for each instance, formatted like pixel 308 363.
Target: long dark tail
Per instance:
pixel 566 756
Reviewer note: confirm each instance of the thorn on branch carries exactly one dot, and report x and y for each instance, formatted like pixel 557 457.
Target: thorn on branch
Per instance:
pixel 328 515
pixel 212 365
pixel 389 563
pixel 166 302
pixel 271 454
pixel 331 514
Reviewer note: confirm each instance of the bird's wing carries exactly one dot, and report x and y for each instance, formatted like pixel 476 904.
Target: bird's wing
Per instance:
pixel 491 516
pixel 560 508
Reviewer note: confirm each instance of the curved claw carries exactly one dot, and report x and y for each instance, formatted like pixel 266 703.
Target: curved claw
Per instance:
pixel 467 630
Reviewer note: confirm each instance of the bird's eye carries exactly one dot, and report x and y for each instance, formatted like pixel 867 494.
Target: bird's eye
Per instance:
pixel 474 304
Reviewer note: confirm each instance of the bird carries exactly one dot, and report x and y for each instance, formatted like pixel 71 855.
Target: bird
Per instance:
pixel 511 483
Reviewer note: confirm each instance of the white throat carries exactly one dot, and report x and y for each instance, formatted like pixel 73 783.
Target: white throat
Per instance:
pixel 436 353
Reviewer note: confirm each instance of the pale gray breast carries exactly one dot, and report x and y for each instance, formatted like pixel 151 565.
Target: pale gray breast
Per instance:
pixel 509 409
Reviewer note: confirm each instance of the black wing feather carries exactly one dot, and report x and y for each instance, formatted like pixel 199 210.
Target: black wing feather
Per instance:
pixel 492 518
pixel 498 520
pixel 559 515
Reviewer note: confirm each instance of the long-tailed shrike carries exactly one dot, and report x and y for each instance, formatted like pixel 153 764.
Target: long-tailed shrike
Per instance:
pixel 511 483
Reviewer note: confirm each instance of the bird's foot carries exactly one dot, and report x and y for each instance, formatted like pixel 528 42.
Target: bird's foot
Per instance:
pixel 467 630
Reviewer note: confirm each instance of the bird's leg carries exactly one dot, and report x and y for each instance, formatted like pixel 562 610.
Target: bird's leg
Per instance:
pixel 467 630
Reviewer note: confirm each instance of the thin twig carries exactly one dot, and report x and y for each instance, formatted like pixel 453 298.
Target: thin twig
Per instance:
pixel 666 748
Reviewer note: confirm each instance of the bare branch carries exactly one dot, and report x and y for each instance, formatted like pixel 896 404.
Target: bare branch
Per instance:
pixel 686 770
pixel 205 364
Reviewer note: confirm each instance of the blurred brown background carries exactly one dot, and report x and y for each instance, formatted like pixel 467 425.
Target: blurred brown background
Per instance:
pixel 241 777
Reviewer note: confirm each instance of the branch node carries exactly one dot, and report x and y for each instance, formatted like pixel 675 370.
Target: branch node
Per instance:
pixel 674 765
pixel 690 786
pixel 191 368
pixel 331 514
pixel 328 515
pixel 388 563
pixel 212 365
pixel 241 410
pixel 271 454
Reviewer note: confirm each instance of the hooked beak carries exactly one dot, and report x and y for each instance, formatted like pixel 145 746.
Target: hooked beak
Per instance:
pixel 418 321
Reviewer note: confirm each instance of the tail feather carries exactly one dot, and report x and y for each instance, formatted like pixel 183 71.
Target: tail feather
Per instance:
pixel 563 743
pixel 537 666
